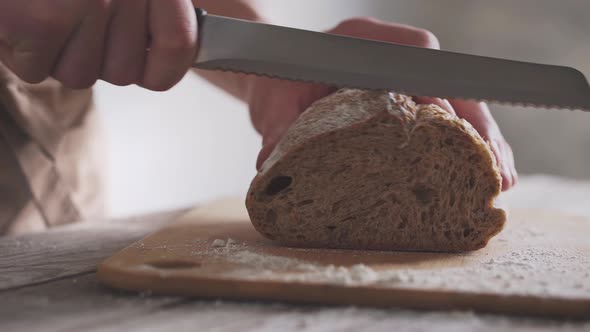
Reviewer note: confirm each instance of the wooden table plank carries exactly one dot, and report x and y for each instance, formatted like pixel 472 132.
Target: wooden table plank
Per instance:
pixel 70 250
pixel 71 304
pixel 81 304
pixel 243 317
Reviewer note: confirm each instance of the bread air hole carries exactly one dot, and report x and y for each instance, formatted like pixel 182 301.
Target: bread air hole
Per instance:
pixel 453 176
pixel 474 158
pixel 271 216
pixel 269 235
pixel 467 232
pixel 338 205
pixel 423 194
pixel 471 182
pixel 305 202
pixel 278 184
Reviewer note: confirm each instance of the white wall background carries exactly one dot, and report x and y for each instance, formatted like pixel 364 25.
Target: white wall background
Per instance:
pixel 174 149
pixel 195 143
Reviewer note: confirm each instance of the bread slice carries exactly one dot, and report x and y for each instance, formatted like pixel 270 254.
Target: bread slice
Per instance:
pixel 373 170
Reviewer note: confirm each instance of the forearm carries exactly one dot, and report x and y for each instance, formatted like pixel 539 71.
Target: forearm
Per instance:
pixel 237 85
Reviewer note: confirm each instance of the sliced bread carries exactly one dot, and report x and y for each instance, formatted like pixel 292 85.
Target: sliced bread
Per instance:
pixel 373 170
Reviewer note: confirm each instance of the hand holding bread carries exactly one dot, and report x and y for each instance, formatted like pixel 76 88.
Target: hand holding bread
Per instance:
pixel 275 105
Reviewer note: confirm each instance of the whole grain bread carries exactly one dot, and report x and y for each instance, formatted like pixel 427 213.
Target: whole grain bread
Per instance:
pixel 373 170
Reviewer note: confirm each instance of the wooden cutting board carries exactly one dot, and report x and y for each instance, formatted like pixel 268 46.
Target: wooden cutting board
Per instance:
pixel 539 265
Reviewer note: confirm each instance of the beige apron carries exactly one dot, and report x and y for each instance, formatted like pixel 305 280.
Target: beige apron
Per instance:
pixel 50 156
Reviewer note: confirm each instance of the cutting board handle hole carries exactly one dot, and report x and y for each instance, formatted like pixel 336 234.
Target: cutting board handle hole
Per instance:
pixel 173 265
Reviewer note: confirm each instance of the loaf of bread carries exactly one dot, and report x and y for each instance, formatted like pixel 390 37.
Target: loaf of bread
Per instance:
pixel 373 170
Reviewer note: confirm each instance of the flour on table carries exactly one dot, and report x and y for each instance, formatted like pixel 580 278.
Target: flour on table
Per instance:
pixel 530 271
pixel 218 243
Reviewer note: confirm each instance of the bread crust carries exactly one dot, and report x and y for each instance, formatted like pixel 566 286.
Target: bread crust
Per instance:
pixel 373 170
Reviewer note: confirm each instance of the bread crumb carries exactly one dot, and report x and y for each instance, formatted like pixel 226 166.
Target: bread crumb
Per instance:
pixel 218 243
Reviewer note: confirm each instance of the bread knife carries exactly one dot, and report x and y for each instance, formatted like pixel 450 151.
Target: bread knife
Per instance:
pixel 236 45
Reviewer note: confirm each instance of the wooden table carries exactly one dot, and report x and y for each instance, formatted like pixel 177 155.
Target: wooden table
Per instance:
pixel 48 283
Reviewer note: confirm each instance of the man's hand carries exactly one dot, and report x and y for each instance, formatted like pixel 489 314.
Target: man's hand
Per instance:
pixel 151 43
pixel 275 105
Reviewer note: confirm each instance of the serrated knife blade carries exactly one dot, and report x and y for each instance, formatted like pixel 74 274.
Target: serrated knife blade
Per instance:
pixel 242 46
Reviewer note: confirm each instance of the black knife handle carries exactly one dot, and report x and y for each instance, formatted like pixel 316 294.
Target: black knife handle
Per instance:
pixel 201 14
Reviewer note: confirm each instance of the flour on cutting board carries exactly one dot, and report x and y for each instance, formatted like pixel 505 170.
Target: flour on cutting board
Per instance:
pixel 530 271
pixel 289 269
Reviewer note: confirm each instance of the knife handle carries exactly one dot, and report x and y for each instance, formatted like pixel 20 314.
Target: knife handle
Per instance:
pixel 201 13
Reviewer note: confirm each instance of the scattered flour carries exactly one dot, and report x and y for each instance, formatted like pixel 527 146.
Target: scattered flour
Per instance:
pixel 218 243
pixel 238 253
pixel 530 271
pixel 290 269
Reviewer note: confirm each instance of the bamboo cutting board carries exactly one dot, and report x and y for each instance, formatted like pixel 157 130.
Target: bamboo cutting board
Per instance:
pixel 539 265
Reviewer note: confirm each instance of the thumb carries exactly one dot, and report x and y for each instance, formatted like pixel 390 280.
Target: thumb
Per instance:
pixel 277 105
pixel 277 120
pixel 265 152
pixel 370 28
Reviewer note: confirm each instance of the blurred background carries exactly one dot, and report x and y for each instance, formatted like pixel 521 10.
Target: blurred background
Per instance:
pixel 195 143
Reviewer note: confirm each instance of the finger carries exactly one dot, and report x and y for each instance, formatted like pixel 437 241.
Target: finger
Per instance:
pixel 274 116
pixel 509 157
pixel 479 116
pixel 6 55
pixel 504 172
pixel 514 172
pixel 265 153
pixel 370 28
pixel 27 64
pixel 278 117
pixel 507 175
pixel 505 168
pixel 513 165
pixel 80 63
pixel 173 31
pixel 127 42
pixel 32 60
pixel 442 103
pixel 294 95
